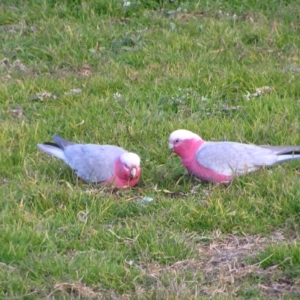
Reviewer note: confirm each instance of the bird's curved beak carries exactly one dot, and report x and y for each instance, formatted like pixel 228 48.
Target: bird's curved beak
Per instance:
pixel 171 146
pixel 133 173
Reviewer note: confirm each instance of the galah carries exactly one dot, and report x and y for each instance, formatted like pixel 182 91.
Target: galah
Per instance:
pixel 97 163
pixel 220 162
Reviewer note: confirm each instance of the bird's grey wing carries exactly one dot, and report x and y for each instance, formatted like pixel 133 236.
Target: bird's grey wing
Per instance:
pixel 93 163
pixel 231 158
pixel 61 143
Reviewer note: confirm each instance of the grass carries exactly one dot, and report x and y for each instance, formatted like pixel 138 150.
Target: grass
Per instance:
pixel 100 72
pixel 286 255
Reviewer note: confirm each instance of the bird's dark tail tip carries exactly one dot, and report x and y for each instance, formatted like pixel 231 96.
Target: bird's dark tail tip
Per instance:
pixel 297 152
pixel 52 144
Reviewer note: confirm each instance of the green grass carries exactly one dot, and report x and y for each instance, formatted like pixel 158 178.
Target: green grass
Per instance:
pixel 285 255
pixel 144 71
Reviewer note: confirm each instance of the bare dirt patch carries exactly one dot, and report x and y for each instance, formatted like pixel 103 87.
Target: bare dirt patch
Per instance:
pixel 220 268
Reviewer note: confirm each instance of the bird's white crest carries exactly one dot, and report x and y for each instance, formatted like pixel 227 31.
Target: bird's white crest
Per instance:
pixel 130 159
pixel 182 134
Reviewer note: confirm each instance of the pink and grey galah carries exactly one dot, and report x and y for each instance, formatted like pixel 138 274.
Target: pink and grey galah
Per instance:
pixel 97 163
pixel 220 162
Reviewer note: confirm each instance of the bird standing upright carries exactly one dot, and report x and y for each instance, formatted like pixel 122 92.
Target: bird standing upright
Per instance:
pixel 220 162
pixel 97 163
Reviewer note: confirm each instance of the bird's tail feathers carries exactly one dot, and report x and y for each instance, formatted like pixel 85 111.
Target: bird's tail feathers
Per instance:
pixel 286 157
pixel 60 142
pixel 285 153
pixel 52 149
pixel 284 150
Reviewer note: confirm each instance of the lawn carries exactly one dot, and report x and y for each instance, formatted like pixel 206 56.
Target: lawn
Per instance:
pixel 128 74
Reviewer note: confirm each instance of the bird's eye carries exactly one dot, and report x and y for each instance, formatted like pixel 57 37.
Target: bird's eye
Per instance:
pixel 176 141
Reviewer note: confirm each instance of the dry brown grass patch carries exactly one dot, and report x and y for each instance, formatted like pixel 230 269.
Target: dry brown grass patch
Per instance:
pixel 220 268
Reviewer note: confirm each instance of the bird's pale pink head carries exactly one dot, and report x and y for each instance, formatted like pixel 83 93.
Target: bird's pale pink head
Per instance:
pixel 184 141
pixel 127 169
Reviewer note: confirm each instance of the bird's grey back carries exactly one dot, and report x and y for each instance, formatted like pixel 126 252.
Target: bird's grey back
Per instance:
pixel 231 157
pixel 93 163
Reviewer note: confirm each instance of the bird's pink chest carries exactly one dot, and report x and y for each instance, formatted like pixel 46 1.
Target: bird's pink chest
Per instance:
pixel 125 183
pixel 121 177
pixel 203 173
pixel 195 167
